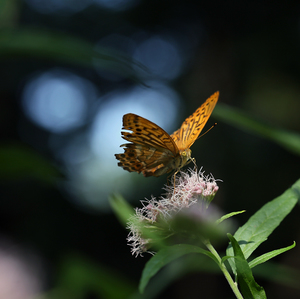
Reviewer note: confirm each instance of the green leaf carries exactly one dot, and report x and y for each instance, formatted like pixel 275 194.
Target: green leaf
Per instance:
pixel 288 140
pixel 122 209
pixel 267 256
pixel 187 264
pixel 226 257
pixel 249 288
pixel 228 216
pixel 257 229
pixel 165 256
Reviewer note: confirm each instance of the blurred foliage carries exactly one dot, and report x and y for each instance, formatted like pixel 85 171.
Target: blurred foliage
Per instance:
pixel 20 162
pixel 239 119
pixel 79 278
pixel 9 10
pixel 51 45
pixel 121 208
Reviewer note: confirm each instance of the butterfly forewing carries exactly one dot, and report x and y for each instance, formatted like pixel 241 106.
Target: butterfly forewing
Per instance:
pixel 146 132
pixel 190 129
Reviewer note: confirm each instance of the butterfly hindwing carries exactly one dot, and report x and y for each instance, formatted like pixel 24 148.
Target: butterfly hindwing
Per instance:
pixel 143 158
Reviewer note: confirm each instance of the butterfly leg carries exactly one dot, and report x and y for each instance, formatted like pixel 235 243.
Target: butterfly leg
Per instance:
pixel 194 161
pixel 170 175
pixel 174 179
pixel 168 179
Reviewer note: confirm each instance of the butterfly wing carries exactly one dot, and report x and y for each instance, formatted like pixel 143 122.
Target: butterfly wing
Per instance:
pixel 142 158
pixel 193 125
pixel 150 150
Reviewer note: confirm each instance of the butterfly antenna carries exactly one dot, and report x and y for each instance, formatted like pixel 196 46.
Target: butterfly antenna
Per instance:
pixel 207 130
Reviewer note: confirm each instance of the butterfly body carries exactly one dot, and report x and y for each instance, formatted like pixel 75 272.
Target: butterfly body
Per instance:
pixel 154 152
pixel 175 163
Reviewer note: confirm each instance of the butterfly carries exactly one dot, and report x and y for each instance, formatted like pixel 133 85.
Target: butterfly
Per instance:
pixel 152 151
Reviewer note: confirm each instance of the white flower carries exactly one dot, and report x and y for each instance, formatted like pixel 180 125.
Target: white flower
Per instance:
pixel 190 188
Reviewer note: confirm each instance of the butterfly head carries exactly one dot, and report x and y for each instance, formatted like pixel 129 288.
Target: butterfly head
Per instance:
pixel 185 156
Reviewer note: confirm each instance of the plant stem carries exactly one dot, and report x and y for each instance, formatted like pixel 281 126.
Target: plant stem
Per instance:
pixel 224 270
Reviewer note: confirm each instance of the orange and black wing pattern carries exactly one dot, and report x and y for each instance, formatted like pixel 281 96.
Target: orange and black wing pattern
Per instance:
pixel 193 125
pixel 150 146
pixel 153 151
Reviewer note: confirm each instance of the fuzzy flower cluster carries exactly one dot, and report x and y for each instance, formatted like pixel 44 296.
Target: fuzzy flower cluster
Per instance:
pixel 188 189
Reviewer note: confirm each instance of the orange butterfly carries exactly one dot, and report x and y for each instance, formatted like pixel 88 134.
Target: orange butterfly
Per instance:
pixel 153 151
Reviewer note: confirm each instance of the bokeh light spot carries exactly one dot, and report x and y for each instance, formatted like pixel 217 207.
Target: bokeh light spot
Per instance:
pixel 160 56
pixel 57 100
